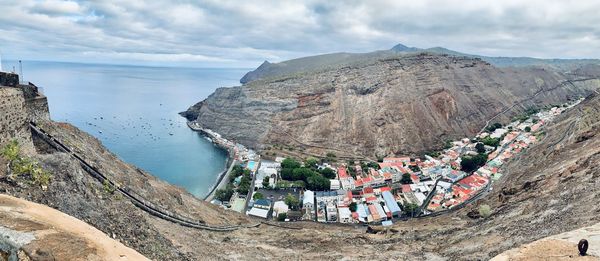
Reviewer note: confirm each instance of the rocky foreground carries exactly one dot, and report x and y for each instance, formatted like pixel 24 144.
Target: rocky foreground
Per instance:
pixel 394 104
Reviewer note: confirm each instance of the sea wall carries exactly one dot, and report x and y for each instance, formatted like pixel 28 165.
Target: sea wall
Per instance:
pixel 14 118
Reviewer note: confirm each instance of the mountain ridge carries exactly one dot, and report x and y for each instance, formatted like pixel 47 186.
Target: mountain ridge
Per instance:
pixel 310 63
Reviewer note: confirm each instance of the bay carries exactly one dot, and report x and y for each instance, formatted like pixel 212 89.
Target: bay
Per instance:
pixel 133 111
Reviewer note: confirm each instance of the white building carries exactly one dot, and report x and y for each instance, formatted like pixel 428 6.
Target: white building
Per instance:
pixel 279 207
pixel 345 215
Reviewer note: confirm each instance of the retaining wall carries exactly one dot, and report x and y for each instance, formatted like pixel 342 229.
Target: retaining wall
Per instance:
pixel 14 118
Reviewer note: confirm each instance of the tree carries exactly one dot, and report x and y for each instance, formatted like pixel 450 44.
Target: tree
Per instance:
pixel 311 162
pixel 286 173
pixel 328 173
pixel 494 142
pixel 406 179
pixel 290 163
pixel 480 147
pixel 414 168
pixel 528 129
pixel 352 207
pixel 292 201
pixel 258 196
pixel 471 163
pixel 318 183
pixel 224 194
pixel 265 182
pixel 493 127
pixel 410 209
pixel 303 174
pixel 281 217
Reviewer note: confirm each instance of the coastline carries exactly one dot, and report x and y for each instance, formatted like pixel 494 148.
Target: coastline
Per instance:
pixel 231 161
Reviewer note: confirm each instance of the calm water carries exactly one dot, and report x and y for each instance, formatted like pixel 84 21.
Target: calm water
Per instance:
pixel 133 111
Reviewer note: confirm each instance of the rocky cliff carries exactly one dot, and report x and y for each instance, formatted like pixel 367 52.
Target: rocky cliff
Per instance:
pixel 401 104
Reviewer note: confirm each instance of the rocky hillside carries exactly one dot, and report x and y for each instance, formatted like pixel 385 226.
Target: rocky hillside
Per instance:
pixel 401 104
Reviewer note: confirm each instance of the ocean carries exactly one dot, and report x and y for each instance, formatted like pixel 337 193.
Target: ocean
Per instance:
pixel 134 110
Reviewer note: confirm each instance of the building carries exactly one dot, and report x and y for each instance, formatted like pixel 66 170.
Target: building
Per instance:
pixel 260 208
pixel 345 215
pixel 267 169
pixel 335 184
pixel 308 204
pixel 391 203
pixel 279 207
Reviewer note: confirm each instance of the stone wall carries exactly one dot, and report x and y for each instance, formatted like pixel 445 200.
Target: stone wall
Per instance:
pixel 14 119
pixel 37 109
pixel 9 79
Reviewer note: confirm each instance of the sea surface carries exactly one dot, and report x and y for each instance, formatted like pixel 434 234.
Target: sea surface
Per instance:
pixel 134 110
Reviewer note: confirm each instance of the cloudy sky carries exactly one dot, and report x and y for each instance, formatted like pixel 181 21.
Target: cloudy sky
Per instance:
pixel 223 33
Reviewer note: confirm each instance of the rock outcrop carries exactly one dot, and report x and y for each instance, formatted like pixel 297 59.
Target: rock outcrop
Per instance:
pixel 403 104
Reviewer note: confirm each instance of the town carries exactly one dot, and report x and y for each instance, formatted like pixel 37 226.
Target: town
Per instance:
pixel 381 192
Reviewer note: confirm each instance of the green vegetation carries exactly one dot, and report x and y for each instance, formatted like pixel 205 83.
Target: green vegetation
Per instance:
pixel 292 201
pixel 406 179
pixel 281 217
pixel 224 194
pixel 290 184
pixel 258 196
pixel 314 180
pixel 433 154
pixel 23 166
pixel 328 173
pixel 290 163
pixel 528 129
pixel 471 163
pixel 485 211
pixel 330 157
pixel 448 144
pixel 414 168
pixel 265 182
pixel 480 147
pixel 245 183
pixel 108 188
pixel 410 209
pixel 311 162
pixel 352 207
pixel 493 127
pixel 494 142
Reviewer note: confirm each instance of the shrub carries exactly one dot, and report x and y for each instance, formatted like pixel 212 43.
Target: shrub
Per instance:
pixel 471 163
pixel 485 211
pixel 480 147
pixel 24 166
pixel 292 201
pixel 258 196
pixel 108 188
pixel 352 207
pixel 281 217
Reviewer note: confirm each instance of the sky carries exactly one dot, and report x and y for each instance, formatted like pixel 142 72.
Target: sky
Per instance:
pixel 224 33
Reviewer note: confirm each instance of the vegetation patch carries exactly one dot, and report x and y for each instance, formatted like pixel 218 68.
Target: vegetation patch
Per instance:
pixel 21 166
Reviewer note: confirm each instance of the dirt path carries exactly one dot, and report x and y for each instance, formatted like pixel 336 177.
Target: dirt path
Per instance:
pixel 58 235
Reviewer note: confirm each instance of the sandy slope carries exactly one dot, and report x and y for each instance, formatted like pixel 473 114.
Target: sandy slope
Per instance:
pixel 44 232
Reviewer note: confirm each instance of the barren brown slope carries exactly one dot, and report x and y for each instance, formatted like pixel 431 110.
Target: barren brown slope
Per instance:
pixel 405 104
pixel 38 232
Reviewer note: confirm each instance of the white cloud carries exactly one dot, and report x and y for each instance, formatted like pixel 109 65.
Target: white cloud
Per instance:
pixel 240 33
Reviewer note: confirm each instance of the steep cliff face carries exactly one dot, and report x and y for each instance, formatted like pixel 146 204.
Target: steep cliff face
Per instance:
pixel 406 104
